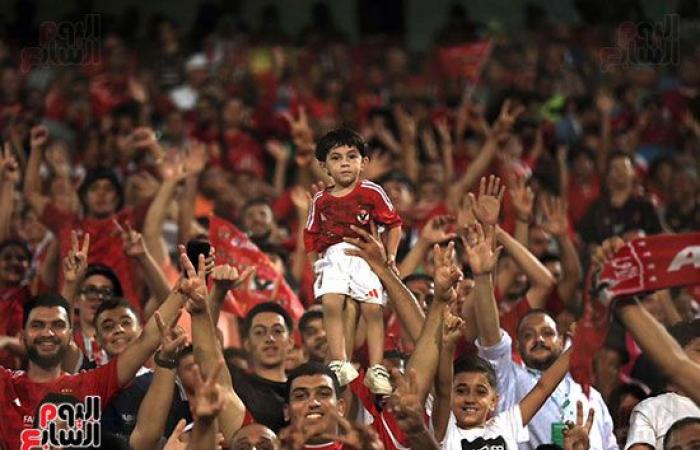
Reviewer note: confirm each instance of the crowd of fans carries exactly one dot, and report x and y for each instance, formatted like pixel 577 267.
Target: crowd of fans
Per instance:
pixel 509 187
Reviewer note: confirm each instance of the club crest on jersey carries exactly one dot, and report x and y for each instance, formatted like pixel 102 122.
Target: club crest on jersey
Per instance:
pixel 363 216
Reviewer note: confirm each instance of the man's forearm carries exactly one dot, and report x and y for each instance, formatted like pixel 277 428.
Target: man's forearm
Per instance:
pixel 487 320
pixel 423 440
pixel 203 434
pixel 155 280
pixel 151 420
pixel 414 258
pixel 207 353
pixel 571 266
pixel 425 358
pixel 137 353
pixel 403 301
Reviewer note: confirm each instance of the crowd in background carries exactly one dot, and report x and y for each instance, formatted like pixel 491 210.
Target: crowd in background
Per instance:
pixel 158 131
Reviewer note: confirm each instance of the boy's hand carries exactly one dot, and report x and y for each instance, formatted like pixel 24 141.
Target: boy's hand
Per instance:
pixel 447 272
pixel 488 206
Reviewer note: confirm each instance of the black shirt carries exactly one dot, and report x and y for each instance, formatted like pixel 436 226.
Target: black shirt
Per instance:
pixel 603 220
pixel 265 399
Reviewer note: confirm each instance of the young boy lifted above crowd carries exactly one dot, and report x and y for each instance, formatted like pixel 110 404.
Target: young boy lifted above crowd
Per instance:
pixel 340 277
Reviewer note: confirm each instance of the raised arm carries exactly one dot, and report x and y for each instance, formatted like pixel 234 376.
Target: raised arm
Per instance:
pixel 208 404
pixel 207 349
pixel 409 312
pixel 138 352
pixel 482 254
pixel 301 201
pixel 541 280
pixel 408 409
pixel 547 383
pixel 433 232
pixel 651 336
pixel 523 200
pixel 152 416
pixel 157 283
pixel 556 224
pixel 9 176
pixel 281 153
pixel 442 406
pixel 225 278
pixel 32 180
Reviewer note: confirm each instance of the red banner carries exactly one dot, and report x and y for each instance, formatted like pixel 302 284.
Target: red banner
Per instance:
pixel 464 60
pixel 266 285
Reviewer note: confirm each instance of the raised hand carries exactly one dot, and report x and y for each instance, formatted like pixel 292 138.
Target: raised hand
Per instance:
pixel 278 150
pixel 488 206
pixel 295 437
pixel 193 286
pixel 75 262
pixel 38 136
pixel 606 251
pixel 196 157
pixel 435 230
pixel 576 434
pixel 9 169
pixel 465 214
pixel 508 115
pixel 172 336
pixel 134 245
pixel 301 199
pixel 369 247
pixel 405 403
pixel 452 329
pixel 302 135
pixel 556 222
pixel 318 187
pixel 354 435
pixel 480 246
pixel 447 272
pixel 208 398
pixel 523 199
pixel 226 277
pixel 406 124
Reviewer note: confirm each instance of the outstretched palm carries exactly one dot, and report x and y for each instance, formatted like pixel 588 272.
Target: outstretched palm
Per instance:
pixel 481 252
pixel 488 206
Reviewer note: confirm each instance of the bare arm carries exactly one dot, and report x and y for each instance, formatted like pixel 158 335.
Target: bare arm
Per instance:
pixel 9 176
pixel 32 179
pixel 549 381
pixel 433 232
pixel 540 278
pixel 301 201
pixel 474 172
pixel 452 331
pixel 281 154
pixel 557 225
pixel 151 420
pixel 207 350
pixel 392 242
pixel 155 217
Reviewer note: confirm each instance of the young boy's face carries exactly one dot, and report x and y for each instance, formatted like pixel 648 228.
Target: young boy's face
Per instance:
pixel 344 165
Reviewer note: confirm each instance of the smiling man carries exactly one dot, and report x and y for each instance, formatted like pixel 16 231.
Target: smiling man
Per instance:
pixel 267 337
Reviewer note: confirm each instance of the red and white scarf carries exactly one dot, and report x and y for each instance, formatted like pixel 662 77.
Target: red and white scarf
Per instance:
pixel 643 265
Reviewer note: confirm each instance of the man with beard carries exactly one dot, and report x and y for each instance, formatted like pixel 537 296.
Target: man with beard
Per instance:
pixel 259 223
pixel 313 335
pixel 46 335
pixel 539 345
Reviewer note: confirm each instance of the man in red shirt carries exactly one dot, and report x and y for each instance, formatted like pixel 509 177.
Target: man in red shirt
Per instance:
pixel 46 335
pixel 14 263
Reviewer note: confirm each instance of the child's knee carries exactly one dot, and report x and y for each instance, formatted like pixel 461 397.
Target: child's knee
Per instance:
pixel 372 311
pixel 332 304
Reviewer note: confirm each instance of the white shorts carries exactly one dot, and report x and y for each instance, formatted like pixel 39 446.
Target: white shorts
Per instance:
pixel 338 273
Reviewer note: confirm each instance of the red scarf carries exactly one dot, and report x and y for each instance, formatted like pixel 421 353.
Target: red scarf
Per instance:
pixel 643 265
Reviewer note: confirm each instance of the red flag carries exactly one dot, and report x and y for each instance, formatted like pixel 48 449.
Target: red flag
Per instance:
pixel 235 248
pixel 643 265
pixel 464 60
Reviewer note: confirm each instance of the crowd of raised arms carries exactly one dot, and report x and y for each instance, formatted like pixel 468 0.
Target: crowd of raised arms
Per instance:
pixel 432 235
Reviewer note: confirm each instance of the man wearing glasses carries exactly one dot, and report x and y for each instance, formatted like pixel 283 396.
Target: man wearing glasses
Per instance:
pixel 99 284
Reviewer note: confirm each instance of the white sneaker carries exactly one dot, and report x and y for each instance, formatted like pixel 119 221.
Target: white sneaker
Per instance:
pixel 344 371
pixel 377 380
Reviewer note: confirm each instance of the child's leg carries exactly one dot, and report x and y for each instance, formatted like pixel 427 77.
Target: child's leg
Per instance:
pixel 374 318
pixel 333 322
pixel 350 318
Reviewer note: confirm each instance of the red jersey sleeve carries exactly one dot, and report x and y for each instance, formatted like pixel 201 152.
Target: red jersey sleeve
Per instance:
pixel 384 211
pixel 103 382
pixel 313 225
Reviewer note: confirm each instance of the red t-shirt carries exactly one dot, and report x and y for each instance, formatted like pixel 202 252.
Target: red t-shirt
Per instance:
pixel 12 302
pixel 106 247
pixel 330 216
pixel 20 397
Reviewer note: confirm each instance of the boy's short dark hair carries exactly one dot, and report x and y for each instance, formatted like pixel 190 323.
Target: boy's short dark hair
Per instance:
pixel 307 317
pixel 113 303
pixel 309 369
pixel 339 138
pixel 107 272
pixel 262 308
pixel 475 364
pixel 677 425
pixel 48 300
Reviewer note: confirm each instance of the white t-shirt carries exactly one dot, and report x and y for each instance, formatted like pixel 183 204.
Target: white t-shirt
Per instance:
pixel 651 418
pixel 501 432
